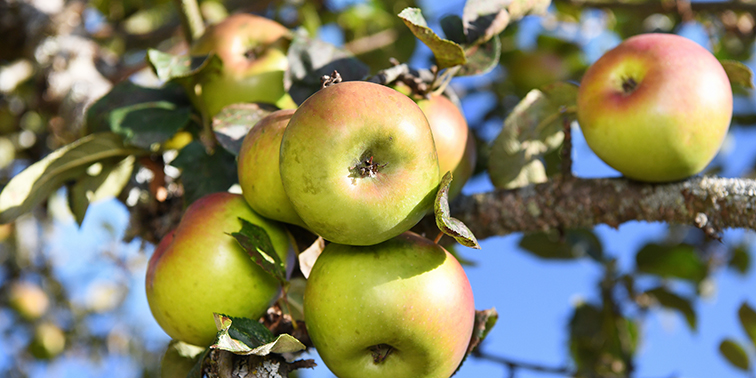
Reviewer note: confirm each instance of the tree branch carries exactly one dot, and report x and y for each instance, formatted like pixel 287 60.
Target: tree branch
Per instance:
pixel 650 7
pixel 709 203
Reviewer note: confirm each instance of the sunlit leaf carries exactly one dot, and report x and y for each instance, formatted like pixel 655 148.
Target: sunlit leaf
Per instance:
pixel 127 95
pixel 673 301
pixel 169 67
pixel 735 354
pixel 246 336
pixel 447 53
pixel 233 123
pixel 671 261
pixel 107 182
pixel 202 173
pixel 256 242
pixel 738 73
pixel 39 180
pixel 484 19
pixel 445 222
pixel 148 123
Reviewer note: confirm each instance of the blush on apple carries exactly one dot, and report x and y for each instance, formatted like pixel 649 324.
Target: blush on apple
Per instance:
pixel 358 163
pixel 199 269
pixel 656 108
pixel 253 51
pixel 401 309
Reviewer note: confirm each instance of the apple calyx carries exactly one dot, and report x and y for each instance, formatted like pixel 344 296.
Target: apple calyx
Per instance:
pixel 380 352
pixel 366 168
pixel 628 85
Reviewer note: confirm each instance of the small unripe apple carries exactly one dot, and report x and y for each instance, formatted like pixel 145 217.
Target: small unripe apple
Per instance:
pixel 200 268
pixel 258 169
pixel 401 309
pixel 253 51
pixel 28 299
pixel 358 163
pixel 656 108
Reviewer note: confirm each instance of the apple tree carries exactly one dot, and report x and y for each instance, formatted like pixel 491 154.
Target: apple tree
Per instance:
pixel 164 105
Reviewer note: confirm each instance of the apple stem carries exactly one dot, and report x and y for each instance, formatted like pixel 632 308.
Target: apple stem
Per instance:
pixel 438 237
pixel 191 19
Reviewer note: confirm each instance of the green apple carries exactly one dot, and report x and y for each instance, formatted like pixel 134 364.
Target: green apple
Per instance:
pixel 358 163
pixel 534 69
pixel 401 309
pixel 199 269
pixel 455 143
pixel 28 299
pixel 253 51
pixel 656 108
pixel 258 169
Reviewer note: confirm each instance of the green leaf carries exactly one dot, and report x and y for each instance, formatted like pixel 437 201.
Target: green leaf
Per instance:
pixel 39 180
pixel 671 261
pixel 233 123
pixel 747 317
pixel 127 94
pixel 482 58
pixel 447 53
pixel 740 259
pixel 600 338
pixel 256 242
pixel 102 180
pixel 445 222
pixel 738 73
pixel 245 337
pixel 735 354
pixel 484 19
pixel 168 67
pixel 453 29
pixel 310 59
pixel 203 174
pixel 533 129
pixel 149 123
pixel 574 244
pixel 673 301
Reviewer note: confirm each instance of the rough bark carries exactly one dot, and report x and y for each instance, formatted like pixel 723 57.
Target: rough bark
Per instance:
pixel 709 203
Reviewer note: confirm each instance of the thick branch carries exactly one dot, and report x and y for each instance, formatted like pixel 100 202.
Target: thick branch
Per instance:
pixel 650 7
pixel 708 203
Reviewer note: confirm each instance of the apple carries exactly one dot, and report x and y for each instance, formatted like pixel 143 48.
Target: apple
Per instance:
pixel 454 142
pixel 656 108
pixel 199 268
pixel 358 163
pixel 253 51
pixel 258 169
pixel 28 299
pixel 402 309
pixel 534 69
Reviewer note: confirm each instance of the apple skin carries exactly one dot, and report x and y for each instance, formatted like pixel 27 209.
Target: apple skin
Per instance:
pixel 258 169
pixel 407 293
pixel 199 269
pixel 672 123
pixel 253 51
pixel 454 142
pixel 327 171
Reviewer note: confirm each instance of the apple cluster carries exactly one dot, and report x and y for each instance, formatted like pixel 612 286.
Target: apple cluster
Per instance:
pixel 357 163
pixel 656 108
